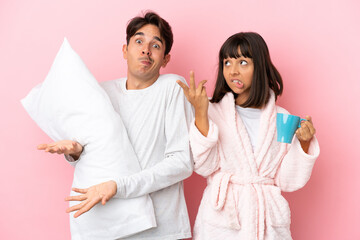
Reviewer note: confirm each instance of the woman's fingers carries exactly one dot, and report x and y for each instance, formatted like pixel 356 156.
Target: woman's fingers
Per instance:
pixel 200 87
pixel 306 132
pixel 192 81
pixel 184 87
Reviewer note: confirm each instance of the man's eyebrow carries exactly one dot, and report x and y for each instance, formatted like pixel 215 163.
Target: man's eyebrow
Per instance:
pixel 139 33
pixel 157 38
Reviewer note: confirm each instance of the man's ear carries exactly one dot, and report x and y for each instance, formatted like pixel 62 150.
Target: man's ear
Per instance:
pixel 166 60
pixel 124 51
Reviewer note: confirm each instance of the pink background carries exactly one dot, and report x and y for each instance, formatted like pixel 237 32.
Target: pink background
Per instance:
pixel 314 44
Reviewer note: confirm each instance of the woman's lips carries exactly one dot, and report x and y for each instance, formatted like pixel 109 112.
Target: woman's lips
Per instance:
pixel 238 83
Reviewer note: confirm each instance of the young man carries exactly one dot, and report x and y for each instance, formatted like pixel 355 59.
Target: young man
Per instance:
pixel 156 116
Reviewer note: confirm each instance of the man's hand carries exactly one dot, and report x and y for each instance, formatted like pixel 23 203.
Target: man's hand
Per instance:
pixel 91 196
pixel 67 147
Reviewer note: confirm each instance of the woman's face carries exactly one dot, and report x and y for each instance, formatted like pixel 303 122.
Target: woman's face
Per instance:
pixel 238 73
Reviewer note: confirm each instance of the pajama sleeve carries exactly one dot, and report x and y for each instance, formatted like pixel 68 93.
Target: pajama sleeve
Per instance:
pixel 296 167
pixel 177 163
pixel 205 149
pixel 71 160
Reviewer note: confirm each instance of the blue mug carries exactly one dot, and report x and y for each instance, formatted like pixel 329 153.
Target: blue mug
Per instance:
pixel 286 126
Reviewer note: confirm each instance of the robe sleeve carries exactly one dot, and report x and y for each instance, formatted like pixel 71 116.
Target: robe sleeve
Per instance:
pixel 205 149
pixel 296 167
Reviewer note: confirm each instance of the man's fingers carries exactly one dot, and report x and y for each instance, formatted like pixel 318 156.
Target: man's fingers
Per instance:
pixel 60 150
pixel 104 200
pixel 76 207
pixel 41 146
pixel 86 208
pixel 76 198
pixel 80 190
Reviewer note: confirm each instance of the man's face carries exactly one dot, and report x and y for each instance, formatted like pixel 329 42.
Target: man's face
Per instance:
pixel 145 54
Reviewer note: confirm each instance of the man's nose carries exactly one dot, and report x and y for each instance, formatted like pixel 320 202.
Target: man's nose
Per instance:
pixel 146 51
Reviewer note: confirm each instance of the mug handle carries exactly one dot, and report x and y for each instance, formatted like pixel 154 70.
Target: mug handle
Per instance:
pixel 301 119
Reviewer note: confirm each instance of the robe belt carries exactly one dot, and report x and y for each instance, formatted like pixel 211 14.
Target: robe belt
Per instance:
pixel 220 184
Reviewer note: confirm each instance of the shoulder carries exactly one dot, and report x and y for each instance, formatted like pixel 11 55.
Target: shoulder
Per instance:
pixel 111 83
pixel 113 86
pixel 166 83
pixel 169 80
pixel 281 110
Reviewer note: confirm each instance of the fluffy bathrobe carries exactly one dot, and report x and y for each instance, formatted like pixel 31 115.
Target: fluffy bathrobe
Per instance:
pixel 243 198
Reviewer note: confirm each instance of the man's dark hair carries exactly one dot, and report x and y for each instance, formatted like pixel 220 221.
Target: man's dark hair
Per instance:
pixel 265 76
pixel 151 18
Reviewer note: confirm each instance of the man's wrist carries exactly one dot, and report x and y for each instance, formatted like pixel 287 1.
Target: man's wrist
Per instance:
pixel 76 155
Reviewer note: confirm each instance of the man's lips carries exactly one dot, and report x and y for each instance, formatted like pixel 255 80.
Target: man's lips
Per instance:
pixel 146 61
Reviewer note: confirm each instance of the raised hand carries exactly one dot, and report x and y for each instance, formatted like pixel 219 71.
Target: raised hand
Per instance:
pixel 67 147
pixel 198 98
pixel 196 95
pixel 305 133
pixel 91 196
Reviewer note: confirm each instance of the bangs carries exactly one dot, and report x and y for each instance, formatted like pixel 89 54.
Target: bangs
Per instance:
pixel 231 46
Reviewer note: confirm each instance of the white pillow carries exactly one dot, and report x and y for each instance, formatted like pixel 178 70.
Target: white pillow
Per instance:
pixel 70 104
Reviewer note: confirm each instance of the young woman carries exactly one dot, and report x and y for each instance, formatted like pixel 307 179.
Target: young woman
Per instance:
pixel 234 144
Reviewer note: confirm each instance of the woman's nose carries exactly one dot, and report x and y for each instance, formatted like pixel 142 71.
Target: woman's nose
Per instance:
pixel 234 71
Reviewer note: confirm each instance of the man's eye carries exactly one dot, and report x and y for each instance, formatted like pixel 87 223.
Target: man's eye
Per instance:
pixel 138 41
pixel 156 46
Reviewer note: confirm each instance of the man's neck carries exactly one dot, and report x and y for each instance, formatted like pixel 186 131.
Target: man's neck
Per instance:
pixel 134 83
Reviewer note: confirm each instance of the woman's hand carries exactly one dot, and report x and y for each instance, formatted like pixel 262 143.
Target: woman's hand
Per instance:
pixel 196 95
pixel 198 98
pixel 91 196
pixel 67 147
pixel 305 133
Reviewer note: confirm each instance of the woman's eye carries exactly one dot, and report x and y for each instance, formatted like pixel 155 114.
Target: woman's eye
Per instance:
pixel 243 62
pixel 227 63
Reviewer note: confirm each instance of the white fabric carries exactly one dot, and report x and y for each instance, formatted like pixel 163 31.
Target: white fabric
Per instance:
pixel 251 120
pixel 157 119
pixel 70 104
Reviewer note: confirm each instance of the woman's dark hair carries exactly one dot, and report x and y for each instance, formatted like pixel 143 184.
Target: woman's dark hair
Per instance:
pixel 151 18
pixel 265 76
